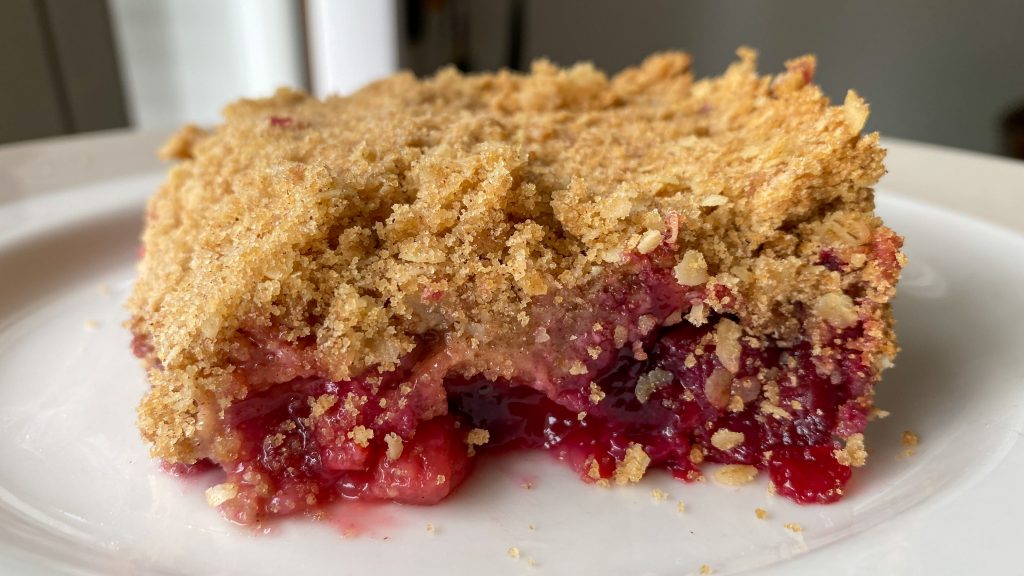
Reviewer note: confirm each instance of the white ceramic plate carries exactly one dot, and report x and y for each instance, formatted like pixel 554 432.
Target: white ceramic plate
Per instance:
pixel 78 494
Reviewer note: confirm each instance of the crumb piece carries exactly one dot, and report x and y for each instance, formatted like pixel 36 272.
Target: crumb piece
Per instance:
pixel 909 438
pixel 383 403
pixel 541 336
pixel 680 506
pixel 855 111
pixel 645 323
pixel 775 411
pixel 581 415
pixel 594 352
pixel 221 493
pixel 696 454
pixel 717 388
pixel 714 200
pixel 633 465
pixel 596 394
pixel 513 552
pixel 361 435
pixel 735 474
pixel 698 314
pixel 771 488
pixel 603 483
pixel 441 479
pixel 395 446
pixel 659 495
pixel 578 368
pixel 531 527
pixel 692 270
pixel 793 527
pixel 478 437
pixel 837 309
pixel 638 351
pixel 593 469
pixel 649 242
pixel 725 439
pixel 877 414
pixel 322 404
pixel 853 454
pixel 90 325
pixel 705 569
pixel 530 561
pixel 727 344
pixel 649 383
pixel 430 528
pixel 736 404
pixel 619 336
pixel 761 513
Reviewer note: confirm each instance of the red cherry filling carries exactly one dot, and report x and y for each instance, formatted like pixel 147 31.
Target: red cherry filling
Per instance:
pixel 304 440
pixel 298 451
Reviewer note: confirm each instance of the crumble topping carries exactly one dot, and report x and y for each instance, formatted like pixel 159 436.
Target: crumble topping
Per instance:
pixel 659 495
pixel 221 493
pixel 361 435
pixel 760 513
pixel 853 454
pixel 633 465
pixel 692 270
pixel 395 446
pixel 735 474
pixel 725 439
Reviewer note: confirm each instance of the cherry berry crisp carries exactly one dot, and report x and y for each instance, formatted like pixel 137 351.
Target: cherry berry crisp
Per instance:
pixel 353 297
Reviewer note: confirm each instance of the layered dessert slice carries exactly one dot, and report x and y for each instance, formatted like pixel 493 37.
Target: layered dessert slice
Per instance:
pixel 350 298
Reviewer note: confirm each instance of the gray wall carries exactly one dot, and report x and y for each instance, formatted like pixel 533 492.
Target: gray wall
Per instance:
pixel 941 71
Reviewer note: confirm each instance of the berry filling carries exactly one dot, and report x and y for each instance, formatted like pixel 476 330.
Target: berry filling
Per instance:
pixel 655 391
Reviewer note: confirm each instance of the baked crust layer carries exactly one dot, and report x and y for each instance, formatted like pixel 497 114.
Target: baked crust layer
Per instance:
pixel 485 213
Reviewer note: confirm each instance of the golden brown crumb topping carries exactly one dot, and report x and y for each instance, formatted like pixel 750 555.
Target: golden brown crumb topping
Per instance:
pixel 460 203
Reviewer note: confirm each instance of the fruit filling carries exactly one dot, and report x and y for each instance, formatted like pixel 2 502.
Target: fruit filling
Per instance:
pixel 655 391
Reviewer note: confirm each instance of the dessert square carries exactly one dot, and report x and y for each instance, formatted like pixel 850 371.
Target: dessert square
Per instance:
pixel 352 297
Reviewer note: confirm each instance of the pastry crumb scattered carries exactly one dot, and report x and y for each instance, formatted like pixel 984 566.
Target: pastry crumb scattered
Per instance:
pixel 633 465
pixel 909 441
pixel 760 513
pixel 735 474
pixel 513 552
pixel 659 495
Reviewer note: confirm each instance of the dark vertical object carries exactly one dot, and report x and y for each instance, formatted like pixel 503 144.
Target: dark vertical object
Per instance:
pixel 1013 133
pixel 515 35
pixel 86 63
pixel 307 72
pixel 58 69
pixel 53 67
pixel 472 36
pixel 28 94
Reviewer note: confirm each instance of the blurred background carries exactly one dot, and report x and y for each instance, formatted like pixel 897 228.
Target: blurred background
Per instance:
pixel 942 71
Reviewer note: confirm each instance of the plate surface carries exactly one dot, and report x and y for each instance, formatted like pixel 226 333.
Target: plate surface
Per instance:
pixel 79 495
